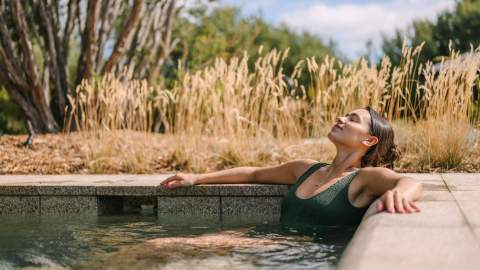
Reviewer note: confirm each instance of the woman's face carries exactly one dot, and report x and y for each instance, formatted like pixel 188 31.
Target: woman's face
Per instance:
pixel 352 129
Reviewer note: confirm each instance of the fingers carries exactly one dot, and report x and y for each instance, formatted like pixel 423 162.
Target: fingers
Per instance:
pixel 174 184
pixel 390 202
pixel 167 183
pixel 177 180
pixel 406 205
pixel 380 206
pixel 415 207
pixel 394 202
pixel 397 198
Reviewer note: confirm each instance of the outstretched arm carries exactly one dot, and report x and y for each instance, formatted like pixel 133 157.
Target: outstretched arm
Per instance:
pixel 397 191
pixel 236 175
pixel 285 173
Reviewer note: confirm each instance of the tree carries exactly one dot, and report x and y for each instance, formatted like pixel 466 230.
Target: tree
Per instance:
pixel 462 26
pixel 10 115
pixel 41 41
pixel 223 32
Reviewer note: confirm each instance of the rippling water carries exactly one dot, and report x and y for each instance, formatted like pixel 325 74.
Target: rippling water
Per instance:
pixel 146 242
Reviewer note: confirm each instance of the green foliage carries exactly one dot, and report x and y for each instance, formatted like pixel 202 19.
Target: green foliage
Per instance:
pixel 224 33
pixel 461 26
pixel 10 115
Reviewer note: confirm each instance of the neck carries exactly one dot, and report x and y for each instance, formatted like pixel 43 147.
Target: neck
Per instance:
pixel 345 160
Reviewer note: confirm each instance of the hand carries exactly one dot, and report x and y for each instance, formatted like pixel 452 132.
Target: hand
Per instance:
pixel 179 180
pixel 394 201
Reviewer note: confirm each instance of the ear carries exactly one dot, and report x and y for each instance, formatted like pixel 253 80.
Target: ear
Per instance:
pixel 370 141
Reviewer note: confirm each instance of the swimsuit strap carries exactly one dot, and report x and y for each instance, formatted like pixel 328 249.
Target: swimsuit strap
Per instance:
pixel 309 171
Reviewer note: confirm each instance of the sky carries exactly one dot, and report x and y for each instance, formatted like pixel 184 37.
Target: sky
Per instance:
pixel 349 23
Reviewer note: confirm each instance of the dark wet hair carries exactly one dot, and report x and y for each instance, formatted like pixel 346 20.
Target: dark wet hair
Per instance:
pixel 385 152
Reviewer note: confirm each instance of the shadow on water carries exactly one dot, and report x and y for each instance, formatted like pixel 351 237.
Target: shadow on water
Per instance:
pixel 148 242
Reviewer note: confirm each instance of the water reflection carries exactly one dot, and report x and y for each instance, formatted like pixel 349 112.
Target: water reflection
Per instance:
pixel 145 242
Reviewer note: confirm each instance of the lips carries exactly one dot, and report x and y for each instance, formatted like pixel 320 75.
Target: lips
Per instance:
pixel 337 126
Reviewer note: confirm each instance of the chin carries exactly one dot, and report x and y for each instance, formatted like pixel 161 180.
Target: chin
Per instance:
pixel 334 138
pixel 329 136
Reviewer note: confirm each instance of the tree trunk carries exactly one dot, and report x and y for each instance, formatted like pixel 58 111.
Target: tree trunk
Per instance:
pixel 35 46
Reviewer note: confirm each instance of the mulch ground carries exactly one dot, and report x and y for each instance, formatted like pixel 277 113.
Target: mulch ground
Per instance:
pixel 49 154
pixel 67 154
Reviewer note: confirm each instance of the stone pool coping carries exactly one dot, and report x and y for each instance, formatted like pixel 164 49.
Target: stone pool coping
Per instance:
pixel 104 194
pixel 445 235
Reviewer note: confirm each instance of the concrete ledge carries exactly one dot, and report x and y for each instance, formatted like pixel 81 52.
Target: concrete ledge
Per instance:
pixel 59 205
pixel 189 206
pixel 112 194
pixel 122 185
pixel 19 205
pixel 444 235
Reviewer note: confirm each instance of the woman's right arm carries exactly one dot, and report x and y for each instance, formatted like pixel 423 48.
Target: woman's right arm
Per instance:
pixel 285 173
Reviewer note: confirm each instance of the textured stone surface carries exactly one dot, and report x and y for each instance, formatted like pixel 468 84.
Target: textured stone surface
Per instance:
pixel 123 185
pixel 193 206
pixel 433 214
pixel 50 190
pixel 444 235
pixel 254 190
pixel 225 190
pixel 436 195
pixel 434 185
pixel 477 233
pixel 198 190
pixel 425 176
pixel 471 209
pixel 18 190
pixel 414 247
pixel 9 179
pixel 125 190
pixel 467 195
pixel 138 185
pixel 462 181
pixel 68 205
pixel 11 205
pixel 71 179
pixel 251 206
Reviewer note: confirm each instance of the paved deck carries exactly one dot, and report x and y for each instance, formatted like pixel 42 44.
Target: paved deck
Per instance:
pixel 445 235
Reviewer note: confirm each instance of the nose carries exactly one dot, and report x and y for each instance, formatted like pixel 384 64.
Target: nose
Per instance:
pixel 340 119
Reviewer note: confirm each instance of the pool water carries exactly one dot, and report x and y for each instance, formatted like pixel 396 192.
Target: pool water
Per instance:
pixel 144 241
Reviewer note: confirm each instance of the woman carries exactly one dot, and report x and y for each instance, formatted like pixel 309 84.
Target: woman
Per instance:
pixel 336 193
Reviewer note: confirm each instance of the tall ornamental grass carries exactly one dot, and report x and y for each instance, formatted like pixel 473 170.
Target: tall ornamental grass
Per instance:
pixel 247 110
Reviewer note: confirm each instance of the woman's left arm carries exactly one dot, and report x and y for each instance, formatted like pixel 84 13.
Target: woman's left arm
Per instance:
pixel 397 192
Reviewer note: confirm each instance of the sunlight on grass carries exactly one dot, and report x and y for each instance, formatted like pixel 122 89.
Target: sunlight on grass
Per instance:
pixel 229 114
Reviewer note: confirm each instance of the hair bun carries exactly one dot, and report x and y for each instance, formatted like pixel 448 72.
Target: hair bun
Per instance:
pixel 392 154
pixel 394 147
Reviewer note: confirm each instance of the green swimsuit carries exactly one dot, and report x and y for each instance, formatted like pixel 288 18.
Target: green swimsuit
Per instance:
pixel 329 207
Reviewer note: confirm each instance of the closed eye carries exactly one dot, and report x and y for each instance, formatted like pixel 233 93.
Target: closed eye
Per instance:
pixel 354 117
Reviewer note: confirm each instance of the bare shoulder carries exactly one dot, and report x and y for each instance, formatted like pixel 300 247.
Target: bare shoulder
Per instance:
pixel 301 165
pixel 378 172
pixel 285 173
pixel 378 179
